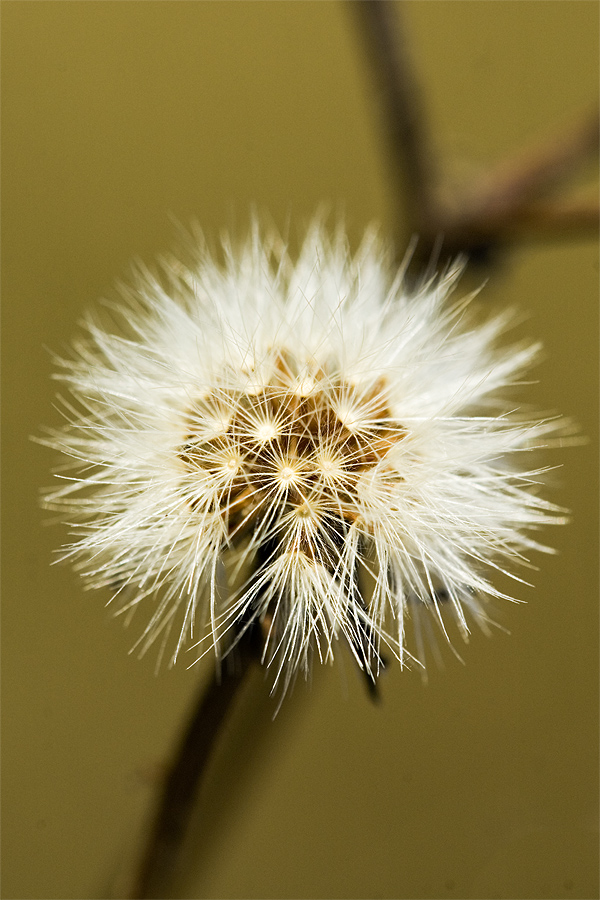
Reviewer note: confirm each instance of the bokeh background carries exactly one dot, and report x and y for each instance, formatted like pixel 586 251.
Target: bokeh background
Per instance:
pixel 116 116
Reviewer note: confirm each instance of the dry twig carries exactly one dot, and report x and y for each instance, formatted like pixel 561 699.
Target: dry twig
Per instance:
pixel 501 207
pixel 165 836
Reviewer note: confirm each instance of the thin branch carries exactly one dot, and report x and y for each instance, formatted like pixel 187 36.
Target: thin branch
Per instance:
pixel 535 170
pixel 401 102
pixel 501 206
pixel 541 220
pixel 560 217
pixel 159 858
pixel 505 204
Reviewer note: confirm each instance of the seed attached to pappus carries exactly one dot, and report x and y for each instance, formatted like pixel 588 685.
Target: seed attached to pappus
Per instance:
pixel 303 445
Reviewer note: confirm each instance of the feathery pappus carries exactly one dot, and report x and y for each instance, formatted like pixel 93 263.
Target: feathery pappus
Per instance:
pixel 302 445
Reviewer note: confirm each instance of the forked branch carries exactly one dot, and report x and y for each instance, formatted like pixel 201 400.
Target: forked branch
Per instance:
pixel 509 203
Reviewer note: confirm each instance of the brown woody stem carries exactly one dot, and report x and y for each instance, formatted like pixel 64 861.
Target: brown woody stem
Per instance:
pixel 159 859
pixel 502 206
pixel 401 104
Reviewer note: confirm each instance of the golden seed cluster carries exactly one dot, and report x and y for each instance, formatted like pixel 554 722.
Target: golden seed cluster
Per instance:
pixel 292 450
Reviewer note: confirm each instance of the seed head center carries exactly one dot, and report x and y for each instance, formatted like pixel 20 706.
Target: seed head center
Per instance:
pixel 266 431
pixel 288 474
pixel 300 439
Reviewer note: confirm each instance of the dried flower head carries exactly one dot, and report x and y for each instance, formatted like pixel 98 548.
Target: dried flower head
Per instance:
pixel 301 445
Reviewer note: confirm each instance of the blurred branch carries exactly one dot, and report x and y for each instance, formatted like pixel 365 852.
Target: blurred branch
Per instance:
pixel 157 864
pixel 559 218
pixel 159 858
pixel 537 169
pixel 503 206
pixel 401 104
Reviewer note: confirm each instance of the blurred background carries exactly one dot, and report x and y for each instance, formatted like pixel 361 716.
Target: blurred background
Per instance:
pixel 118 116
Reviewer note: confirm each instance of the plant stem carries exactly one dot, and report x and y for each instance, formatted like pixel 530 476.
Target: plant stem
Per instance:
pixel 160 852
pixel 498 208
pixel 403 115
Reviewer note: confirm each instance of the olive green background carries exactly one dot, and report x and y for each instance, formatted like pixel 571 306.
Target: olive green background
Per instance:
pixel 116 116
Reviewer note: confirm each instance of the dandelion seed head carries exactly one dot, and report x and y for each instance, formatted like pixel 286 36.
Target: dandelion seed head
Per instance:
pixel 303 445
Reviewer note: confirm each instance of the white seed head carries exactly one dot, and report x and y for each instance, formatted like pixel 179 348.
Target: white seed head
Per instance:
pixel 348 448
